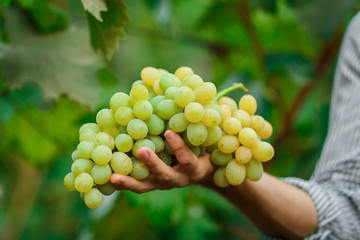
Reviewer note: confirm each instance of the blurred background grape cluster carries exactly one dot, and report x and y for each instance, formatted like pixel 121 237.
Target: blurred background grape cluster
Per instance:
pixel 52 81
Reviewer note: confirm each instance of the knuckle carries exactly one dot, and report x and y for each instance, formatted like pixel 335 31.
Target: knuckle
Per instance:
pixel 165 177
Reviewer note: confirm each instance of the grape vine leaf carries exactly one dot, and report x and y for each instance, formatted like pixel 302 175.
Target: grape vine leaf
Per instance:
pixel 61 64
pixel 95 7
pixel 105 35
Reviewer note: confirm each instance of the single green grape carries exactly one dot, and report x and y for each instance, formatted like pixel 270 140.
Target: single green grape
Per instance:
pixel 118 100
pixel 169 80
pixel 124 115
pixel 167 108
pixel 196 133
pixel 178 122
pixel 142 109
pixel 155 124
pixel 183 96
pixel 124 142
pixel 137 129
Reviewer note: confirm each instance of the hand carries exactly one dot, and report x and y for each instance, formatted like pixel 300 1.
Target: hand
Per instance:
pixel 189 170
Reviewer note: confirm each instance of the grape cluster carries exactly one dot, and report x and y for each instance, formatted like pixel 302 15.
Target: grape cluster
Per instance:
pixel 240 151
pixel 184 103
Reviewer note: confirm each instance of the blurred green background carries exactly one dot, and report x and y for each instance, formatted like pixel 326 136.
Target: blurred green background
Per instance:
pixel 52 81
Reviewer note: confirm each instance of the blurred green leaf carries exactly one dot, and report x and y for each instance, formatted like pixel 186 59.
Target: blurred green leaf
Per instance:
pixel 105 35
pixel 46 17
pixel 95 7
pixel 49 62
pixel 268 5
pixel 6 109
pixel 322 17
pixel 106 78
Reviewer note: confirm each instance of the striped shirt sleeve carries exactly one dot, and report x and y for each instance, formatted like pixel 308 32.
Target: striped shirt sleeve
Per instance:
pixel 335 184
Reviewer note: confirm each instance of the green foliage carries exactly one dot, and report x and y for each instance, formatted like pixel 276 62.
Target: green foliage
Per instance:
pixel 95 7
pixel 52 81
pixel 105 35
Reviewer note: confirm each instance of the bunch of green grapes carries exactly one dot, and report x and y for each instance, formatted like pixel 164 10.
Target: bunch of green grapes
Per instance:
pixel 182 102
pixel 241 150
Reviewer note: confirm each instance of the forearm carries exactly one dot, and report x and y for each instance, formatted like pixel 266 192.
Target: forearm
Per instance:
pixel 276 208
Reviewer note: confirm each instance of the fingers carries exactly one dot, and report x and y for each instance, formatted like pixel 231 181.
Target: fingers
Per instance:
pixel 122 182
pixel 157 167
pixel 183 154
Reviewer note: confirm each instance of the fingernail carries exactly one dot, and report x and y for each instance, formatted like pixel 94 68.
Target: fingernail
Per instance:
pixel 170 136
pixel 143 154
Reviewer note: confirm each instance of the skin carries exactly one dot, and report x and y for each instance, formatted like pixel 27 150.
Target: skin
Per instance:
pixel 276 208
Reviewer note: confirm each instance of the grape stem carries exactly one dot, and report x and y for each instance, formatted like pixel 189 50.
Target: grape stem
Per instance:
pixel 234 87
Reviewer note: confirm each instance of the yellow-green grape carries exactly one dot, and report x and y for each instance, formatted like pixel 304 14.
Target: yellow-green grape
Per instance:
pixel 155 125
pixel 211 118
pixel 84 149
pixel 243 155
pixel 183 72
pixel 220 179
pixel 219 158
pixel 165 157
pixel 167 108
pixel 105 119
pixel 107 189
pixel 87 135
pixel 69 181
pixel 137 129
pixel 178 122
pixel 183 96
pixel 140 170
pixel 124 115
pixel 194 112
pixel 169 80
pixel 243 117
pixel 81 166
pixel 192 81
pixel 137 82
pixel 139 92
pixel 214 134
pixel 92 126
pixel 266 131
pixel 124 142
pixel 101 173
pixel 142 143
pixel 263 151
pixel 83 182
pixel 170 92
pixel 149 75
pixel 248 137
pixel 232 126
pixel 248 103
pixel 158 142
pixel 196 151
pixel 118 100
pixel 228 101
pixel 205 93
pixel 257 123
pixel 106 139
pixel 254 170
pixel 226 112
pixel 112 131
pixel 235 173
pixel 214 106
pixel 93 199
pixel 101 155
pixel 156 100
pixel 168 148
pixel 74 156
pixel 121 163
pixel 142 109
pixel 156 88
pixel 196 133
pixel 228 143
pixel 162 71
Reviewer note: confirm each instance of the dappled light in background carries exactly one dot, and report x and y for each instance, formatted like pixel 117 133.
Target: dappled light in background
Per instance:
pixel 59 65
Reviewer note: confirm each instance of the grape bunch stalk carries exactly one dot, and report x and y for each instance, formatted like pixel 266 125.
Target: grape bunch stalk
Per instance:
pixel 206 120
